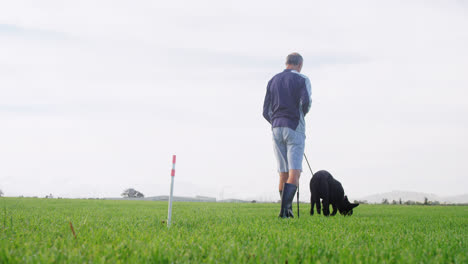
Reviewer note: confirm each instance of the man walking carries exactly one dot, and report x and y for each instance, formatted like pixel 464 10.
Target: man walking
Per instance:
pixel 287 101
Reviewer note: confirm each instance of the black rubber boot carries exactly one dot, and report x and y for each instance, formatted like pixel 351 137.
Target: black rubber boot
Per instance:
pixel 289 190
pixel 281 197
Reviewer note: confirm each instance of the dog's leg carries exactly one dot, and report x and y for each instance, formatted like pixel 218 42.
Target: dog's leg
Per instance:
pixel 312 205
pixel 326 198
pixel 334 210
pixel 317 202
pixel 326 207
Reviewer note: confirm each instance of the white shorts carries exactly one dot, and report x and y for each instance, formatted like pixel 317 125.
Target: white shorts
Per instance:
pixel 288 146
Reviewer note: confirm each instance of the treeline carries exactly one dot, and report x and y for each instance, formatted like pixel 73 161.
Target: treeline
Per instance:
pixel 409 202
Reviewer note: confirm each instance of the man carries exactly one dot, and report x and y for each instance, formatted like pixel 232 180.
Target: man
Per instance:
pixel 287 101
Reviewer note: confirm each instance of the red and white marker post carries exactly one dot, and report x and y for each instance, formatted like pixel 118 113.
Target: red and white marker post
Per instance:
pixel 169 214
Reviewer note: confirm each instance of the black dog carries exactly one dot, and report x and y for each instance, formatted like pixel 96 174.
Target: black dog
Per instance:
pixel 323 185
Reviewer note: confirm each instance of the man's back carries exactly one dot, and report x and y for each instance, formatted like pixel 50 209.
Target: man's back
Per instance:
pixel 287 100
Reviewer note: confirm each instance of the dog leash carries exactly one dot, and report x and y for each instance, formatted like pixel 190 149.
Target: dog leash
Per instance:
pixel 298 201
pixel 308 164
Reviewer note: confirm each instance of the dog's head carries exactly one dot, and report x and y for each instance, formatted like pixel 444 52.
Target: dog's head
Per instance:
pixel 347 207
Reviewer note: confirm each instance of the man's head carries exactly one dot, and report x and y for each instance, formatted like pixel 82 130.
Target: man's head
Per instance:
pixel 294 62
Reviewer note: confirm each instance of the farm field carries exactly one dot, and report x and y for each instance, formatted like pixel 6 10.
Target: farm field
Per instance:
pixel 117 231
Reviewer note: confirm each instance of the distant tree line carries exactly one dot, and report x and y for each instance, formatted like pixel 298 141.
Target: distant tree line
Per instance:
pixel 132 193
pixel 410 202
pixel 127 193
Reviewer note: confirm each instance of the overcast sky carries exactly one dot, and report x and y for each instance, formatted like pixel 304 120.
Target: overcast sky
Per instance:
pixel 96 96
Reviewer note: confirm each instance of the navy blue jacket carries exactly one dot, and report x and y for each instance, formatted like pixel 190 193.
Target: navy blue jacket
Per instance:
pixel 287 100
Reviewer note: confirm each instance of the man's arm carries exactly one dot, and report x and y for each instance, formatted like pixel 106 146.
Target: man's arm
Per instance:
pixel 306 96
pixel 267 112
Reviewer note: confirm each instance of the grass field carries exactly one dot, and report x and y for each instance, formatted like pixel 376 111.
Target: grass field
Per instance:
pixel 107 231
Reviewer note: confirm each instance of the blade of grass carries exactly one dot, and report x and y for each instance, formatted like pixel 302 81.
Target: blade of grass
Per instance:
pixel 72 229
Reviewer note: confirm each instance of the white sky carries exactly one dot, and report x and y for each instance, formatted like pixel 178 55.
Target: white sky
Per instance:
pixel 96 96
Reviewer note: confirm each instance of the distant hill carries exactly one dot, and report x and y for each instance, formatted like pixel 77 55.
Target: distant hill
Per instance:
pixel 166 198
pixel 232 201
pixel 414 196
pixel 375 198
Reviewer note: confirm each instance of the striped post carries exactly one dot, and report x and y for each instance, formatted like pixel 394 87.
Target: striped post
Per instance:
pixel 169 214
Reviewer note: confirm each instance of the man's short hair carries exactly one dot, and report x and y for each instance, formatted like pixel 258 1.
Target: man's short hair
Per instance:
pixel 294 59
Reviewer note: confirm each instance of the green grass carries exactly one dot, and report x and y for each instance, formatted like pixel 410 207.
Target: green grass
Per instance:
pixel 38 231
